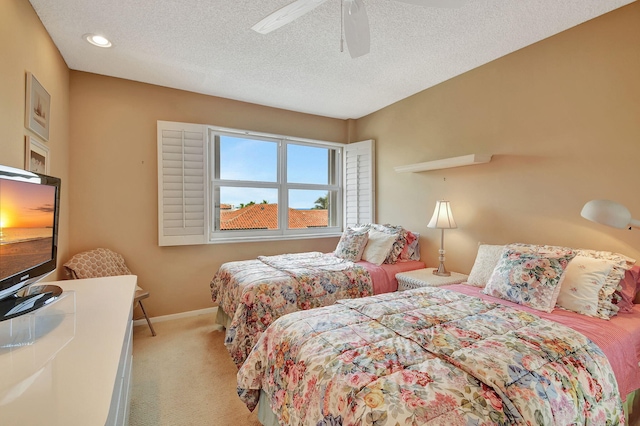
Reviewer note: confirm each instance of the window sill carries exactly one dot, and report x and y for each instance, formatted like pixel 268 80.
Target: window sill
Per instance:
pixel 254 239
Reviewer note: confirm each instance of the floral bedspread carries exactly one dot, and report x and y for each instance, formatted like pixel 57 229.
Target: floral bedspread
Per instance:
pixel 256 292
pixel 428 356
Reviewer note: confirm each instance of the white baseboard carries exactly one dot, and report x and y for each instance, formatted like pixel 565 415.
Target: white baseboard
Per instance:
pixel 170 317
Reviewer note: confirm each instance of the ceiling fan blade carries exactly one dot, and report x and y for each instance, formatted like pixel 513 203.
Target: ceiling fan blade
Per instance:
pixel 356 28
pixel 437 3
pixel 285 15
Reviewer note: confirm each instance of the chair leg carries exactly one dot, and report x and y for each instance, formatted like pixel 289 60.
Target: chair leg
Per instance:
pixel 153 332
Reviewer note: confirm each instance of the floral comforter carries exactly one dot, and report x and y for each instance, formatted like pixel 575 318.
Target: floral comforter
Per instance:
pixel 256 292
pixel 428 357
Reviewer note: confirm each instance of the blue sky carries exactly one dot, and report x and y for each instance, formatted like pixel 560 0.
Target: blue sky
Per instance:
pixel 251 160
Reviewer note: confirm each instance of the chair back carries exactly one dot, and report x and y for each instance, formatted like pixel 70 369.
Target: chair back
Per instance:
pixel 100 262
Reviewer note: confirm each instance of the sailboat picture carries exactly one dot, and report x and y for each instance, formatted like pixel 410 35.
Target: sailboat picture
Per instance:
pixel 38 105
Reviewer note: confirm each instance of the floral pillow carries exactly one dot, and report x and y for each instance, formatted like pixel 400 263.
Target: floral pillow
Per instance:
pixel 584 277
pixel 411 250
pixel 352 244
pixel 630 287
pixel 529 275
pixel 399 244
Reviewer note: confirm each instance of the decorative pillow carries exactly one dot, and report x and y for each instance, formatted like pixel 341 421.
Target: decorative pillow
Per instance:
pixel 99 262
pixel 411 250
pixel 529 276
pixel 398 231
pixel 351 245
pixel 378 246
pixel 583 279
pixel 630 285
pixel 609 295
pixel 399 245
pixel 486 260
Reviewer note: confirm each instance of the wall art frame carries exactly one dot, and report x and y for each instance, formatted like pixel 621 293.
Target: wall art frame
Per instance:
pixel 37 117
pixel 36 158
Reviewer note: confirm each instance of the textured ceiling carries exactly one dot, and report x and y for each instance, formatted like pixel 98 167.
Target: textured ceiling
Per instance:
pixel 207 46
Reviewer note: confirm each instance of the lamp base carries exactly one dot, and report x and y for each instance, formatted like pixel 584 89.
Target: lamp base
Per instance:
pixel 441 271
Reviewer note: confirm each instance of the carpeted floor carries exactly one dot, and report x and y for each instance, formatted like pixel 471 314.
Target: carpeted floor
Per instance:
pixel 185 377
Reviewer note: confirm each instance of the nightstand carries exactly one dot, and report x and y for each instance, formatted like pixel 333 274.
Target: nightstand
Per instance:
pixel 425 278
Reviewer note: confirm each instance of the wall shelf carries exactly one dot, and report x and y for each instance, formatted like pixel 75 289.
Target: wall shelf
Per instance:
pixel 445 163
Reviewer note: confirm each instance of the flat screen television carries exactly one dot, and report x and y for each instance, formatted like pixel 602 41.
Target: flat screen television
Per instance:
pixel 29 211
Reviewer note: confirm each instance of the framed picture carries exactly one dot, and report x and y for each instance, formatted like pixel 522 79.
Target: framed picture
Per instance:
pixel 36 156
pixel 37 108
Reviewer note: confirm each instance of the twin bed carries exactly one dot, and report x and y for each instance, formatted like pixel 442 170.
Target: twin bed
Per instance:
pixel 252 294
pixel 497 350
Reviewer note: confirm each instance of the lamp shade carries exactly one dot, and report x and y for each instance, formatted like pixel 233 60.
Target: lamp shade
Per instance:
pixel 442 217
pixel 608 213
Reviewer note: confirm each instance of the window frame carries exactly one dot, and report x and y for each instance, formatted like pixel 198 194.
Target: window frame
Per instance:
pixel 283 232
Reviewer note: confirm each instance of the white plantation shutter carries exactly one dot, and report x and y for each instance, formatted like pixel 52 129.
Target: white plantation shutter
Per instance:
pixel 359 179
pixel 182 179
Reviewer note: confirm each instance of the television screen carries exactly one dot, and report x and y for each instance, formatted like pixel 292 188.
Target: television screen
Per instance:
pixel 28 227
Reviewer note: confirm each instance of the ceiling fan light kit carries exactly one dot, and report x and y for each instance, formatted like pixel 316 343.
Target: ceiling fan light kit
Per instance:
pixel 354 18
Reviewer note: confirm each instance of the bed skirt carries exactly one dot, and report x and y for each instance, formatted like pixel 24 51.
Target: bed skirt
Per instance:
pixel 222 318
pixel 265 414
pixel 631 410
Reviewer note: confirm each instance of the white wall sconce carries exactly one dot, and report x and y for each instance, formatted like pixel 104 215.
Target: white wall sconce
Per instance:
pixel 609 213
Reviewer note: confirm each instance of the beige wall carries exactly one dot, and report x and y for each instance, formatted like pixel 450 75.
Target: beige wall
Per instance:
pixel 114 181
pixel 25 46
pixel 562 119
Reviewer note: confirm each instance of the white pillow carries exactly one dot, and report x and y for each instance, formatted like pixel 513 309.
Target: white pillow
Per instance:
pixel 486 261
pixel 378 246
pixel 584 277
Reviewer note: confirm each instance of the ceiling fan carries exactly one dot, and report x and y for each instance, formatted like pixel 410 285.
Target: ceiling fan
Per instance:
pixel 354 16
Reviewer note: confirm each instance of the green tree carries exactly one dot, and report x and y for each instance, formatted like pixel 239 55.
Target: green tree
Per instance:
pixel 322 203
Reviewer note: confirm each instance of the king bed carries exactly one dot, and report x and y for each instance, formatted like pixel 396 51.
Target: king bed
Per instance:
pixel 510 349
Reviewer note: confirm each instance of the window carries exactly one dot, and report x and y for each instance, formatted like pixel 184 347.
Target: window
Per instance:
pixel 263 186
pixel 224 185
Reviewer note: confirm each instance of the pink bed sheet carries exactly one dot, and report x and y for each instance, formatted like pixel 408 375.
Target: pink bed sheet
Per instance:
pixel 384 276
pixel 619 338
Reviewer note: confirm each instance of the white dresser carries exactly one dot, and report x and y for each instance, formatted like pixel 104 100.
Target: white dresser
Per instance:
pixel 77 368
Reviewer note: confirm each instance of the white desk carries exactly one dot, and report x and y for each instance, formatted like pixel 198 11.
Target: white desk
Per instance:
pixel 78 372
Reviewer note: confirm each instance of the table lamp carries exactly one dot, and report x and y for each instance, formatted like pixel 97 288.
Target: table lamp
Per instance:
pixel 442 219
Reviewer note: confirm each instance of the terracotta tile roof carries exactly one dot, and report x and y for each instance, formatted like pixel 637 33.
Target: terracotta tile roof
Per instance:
pixel 308 218
pixel 265 216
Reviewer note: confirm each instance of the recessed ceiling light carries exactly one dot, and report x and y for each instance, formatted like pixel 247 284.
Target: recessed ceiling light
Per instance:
pixel 97 40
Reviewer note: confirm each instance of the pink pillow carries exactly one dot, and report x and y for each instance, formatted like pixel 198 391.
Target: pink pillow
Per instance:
pixel 404 254
pixel 630 286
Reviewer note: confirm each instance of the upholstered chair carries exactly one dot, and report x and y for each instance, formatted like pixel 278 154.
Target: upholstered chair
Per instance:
pixel 102 262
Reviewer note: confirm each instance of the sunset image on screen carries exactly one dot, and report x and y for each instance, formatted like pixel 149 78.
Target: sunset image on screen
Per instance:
pixel 26 225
